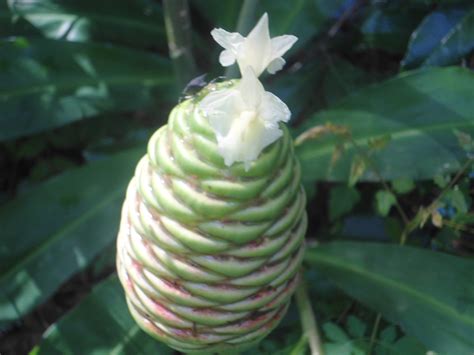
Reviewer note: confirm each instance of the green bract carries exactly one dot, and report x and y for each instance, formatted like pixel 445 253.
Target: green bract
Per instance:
pixel 208 254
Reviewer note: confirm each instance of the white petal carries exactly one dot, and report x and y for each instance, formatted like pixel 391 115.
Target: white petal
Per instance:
pixel 251 89
pixel 275 65
pixel 227 40
pixel 256 50
pixel 221 107
pixel 226 58
pixel 273 110
pixel 281 44
pixel 246 139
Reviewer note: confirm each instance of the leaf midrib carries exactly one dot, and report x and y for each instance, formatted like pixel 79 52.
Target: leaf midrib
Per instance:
pixel 403 288
pixel 398 134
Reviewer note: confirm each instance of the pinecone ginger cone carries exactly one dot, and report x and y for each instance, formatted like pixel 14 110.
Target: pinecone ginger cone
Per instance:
pixel 209 255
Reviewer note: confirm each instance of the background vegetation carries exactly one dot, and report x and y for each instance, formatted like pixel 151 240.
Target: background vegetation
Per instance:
pixel 382 95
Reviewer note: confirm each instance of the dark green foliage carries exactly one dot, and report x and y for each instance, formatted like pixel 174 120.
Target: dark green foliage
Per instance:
pixel 382 99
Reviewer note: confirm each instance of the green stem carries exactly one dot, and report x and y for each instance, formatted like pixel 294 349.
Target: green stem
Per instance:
pixel 375 330
pixel 308 320
pixel 178 32
pixel 244 25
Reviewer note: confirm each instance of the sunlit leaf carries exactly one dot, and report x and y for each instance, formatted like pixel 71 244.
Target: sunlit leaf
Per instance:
pixel 457 43
pixel 52 231
pixel 419 110
pixel 101 324
pixel 46 84
pixel 429 33
pixel 136 23
pixel 433 304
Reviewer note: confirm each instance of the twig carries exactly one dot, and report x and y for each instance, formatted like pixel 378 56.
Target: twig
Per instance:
pixel 244 24
pixel 178 32
pixel 308 320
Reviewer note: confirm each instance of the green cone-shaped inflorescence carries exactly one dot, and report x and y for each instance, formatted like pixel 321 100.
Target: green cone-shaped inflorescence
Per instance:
pixel 209 254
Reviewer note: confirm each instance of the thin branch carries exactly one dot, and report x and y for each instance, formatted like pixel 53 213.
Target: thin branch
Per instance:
pixel 244 25
pixel 178 32
pixel 308 320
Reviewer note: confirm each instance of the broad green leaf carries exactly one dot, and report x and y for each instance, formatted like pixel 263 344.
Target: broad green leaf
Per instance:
pixel 431 295
pixel 457 43
pixel 50 232
pixel 46 84
pixel 429 33
pixel 136 23
pixel 418 109
pixel 100 324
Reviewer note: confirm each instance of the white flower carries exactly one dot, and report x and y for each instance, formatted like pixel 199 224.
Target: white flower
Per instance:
pixel 257 50
pixel 245 119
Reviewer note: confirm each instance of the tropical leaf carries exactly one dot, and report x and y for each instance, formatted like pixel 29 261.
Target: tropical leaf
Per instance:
pixel 101 324
pixel 57 228
pixel 434 304
pixel 135 23
pixel 428 35
pixel 457 43
pixel 418 111
pixel 46 84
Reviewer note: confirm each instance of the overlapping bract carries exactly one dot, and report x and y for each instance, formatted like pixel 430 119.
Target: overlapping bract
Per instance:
pixel 209 254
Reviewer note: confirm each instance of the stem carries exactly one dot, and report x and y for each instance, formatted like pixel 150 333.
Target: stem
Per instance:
pixel 411 226
pixel 178 32
pixel 375 330
pixel 308 321
pixel 244 24
pixel 374 168
pixel 452 182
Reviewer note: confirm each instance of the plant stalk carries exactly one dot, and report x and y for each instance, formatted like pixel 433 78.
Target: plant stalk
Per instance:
pixel 178 32
pixel 308 320
pixel 375 330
